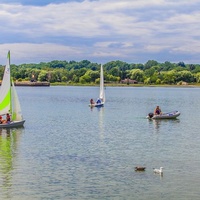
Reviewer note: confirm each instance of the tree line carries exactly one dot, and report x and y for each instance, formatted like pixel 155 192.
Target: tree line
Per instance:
pixel 86 72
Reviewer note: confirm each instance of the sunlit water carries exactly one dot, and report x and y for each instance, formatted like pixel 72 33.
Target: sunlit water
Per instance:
pixel 67 150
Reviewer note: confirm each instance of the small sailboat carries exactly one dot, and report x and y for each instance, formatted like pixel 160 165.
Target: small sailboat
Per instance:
pixel 9 102
pixel 101 100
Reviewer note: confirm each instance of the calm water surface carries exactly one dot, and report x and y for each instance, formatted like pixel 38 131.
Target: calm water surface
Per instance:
pixel 67 150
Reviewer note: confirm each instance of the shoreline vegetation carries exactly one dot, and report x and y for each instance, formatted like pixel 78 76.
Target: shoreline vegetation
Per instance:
pixel 116 73
pixel 47 84
pixel 128 85
pixel 29 83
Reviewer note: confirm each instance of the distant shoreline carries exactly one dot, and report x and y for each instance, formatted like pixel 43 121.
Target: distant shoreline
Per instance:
pixel 28 83
pixel 47 84
pixel 130 85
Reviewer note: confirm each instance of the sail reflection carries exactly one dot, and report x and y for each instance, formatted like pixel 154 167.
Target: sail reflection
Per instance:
pixel 101 122
pixel 8 148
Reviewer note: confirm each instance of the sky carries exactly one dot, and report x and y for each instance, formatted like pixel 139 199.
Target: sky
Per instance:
pixel 132 31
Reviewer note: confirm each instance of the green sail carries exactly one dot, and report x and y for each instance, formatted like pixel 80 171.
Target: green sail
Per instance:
pixel 6 101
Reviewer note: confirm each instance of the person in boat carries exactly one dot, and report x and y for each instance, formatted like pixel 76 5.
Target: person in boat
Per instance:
pixel 92 101
pixel 157 111
pixel 1 120
pixel 8 118
pixel 98 101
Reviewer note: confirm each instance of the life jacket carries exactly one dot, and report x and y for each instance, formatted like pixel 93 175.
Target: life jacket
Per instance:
pixel 158 111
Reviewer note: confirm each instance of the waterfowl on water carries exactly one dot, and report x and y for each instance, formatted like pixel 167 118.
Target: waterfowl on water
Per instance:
pixel 158 171
pixel 140 168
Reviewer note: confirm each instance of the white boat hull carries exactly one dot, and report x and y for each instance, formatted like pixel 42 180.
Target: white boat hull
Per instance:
pixel 169 115
pixel 13 124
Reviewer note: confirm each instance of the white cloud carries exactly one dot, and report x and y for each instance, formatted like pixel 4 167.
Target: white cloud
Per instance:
pixel 101 28
pixel 31 52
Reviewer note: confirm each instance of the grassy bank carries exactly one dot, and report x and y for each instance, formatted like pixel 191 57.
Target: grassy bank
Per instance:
pixel 125 85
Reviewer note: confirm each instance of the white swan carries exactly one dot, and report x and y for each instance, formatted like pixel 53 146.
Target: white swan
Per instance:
pixel 159 171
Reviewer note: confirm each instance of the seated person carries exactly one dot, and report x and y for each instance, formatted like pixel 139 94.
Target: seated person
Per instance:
pixel 92 101
pixel 8 118
pixel 1 120
pixel 157 111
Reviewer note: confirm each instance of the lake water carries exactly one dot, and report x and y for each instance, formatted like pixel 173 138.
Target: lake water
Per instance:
pixel 69 151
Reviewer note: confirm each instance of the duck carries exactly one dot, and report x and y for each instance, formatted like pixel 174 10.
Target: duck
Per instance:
pixel 140 168
pixel 159 171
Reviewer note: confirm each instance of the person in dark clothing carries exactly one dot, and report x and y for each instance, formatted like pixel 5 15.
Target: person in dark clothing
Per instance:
pixel 8 118
pixel 157 111
pixel 98 101
pixel 91 101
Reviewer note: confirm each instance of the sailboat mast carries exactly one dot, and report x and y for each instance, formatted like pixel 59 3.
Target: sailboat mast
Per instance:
pixel 102 94
pixel 8 57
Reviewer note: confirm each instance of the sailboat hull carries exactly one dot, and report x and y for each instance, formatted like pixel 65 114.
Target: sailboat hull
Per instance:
pixel 96 105
pixel 99 105
pixel 13 124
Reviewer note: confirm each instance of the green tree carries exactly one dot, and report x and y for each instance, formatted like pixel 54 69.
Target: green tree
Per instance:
pixel 197 76
pixel 169 77
pixel 64 79
pixel 181 64
pixel 115 71
pixel 167 66
pixel 136 74
pixel 112 78
pixel 1 72
pixel 150 63
pixel 85 79
pixel 185 76
pixel 43 75
pixel 93 75
pixel 75 79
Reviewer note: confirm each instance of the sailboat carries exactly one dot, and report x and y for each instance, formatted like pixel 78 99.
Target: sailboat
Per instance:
pixel 101 100
pixel 9 102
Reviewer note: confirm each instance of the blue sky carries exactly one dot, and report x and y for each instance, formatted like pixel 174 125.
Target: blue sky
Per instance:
pixel 133 31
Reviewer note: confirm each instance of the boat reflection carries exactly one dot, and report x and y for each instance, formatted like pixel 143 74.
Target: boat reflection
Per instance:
pixel 99 108
pixel 9 139
pixel 159 124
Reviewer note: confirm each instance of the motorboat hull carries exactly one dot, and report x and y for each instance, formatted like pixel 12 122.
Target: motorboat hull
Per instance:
pixel 169 115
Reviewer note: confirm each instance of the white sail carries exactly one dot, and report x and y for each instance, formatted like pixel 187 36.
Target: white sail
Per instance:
pixel 5 93
pixel 102 92
pixel 16 108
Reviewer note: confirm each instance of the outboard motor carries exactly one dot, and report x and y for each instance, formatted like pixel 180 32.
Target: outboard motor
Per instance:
pixel 150 115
